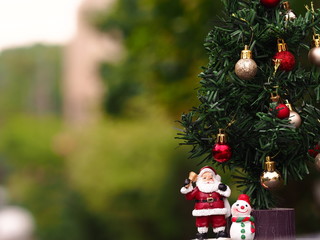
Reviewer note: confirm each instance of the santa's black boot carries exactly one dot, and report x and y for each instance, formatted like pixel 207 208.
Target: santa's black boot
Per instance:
pixel 222 234
pixel 202 236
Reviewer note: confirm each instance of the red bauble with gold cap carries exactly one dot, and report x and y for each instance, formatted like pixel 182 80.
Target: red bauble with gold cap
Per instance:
pixel 283 111
pixel 270 3
pixel 221 151
pixel 286 58
pixel 314 151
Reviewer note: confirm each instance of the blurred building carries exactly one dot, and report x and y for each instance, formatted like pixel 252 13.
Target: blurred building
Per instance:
pixel 82 86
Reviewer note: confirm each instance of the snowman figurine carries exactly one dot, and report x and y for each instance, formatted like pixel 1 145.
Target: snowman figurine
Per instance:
pixel 242 226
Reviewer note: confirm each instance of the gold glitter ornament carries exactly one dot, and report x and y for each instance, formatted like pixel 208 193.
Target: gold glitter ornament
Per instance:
pixel 246 68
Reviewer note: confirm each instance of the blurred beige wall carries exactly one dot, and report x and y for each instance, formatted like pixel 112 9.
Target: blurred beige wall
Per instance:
pixel 82 86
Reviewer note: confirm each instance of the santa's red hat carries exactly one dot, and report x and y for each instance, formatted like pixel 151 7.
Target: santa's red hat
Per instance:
pixel 207 169
pixel 244 197
pixel 211 170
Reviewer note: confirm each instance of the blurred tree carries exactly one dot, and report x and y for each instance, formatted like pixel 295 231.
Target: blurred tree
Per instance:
pixel 29 80
pixel 162 42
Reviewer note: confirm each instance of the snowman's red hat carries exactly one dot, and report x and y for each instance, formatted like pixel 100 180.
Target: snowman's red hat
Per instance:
pixel 244 197
pixel 211 170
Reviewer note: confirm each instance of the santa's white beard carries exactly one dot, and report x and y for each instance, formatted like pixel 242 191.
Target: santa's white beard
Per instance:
pixel 207 187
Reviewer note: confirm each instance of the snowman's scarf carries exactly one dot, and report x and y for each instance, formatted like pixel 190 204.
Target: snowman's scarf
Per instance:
pixel 245 219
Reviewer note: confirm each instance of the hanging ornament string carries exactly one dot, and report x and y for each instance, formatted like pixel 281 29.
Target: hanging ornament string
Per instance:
pixel 274 155
pixel 277 63
pixel 251 30
pixel 221 129
pixel 230 123
pixel 250 27
pixel 313 17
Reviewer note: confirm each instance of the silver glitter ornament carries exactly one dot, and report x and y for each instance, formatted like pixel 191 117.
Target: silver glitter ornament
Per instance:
pixel 246 68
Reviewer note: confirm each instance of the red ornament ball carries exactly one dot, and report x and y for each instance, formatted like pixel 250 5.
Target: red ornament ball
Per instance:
pixel 270 3
pixel 221 152
pixel 315 151
pixel 288 60
pixel 283 111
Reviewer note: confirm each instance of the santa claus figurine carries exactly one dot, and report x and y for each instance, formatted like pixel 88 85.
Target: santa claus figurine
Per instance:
pixel 242 226
pixel 211 203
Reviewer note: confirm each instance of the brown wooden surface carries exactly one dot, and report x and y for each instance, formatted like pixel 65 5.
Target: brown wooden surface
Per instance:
pixel 275 224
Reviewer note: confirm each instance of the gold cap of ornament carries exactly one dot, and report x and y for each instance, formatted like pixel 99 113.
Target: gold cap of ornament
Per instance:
pixel 269 165
pixel 246 53
pixel 221 137
pixel 286 5
pixel 282 46
pixel 275 97
pixel 289 105
pixel 316 40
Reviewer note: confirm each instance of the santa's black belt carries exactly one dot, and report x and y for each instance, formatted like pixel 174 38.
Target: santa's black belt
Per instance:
pixel 209 199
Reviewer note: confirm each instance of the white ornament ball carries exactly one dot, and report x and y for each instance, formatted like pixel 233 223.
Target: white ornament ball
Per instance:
pixel 290 16
pixel 314 56
pixel 295 119
pixel 317 161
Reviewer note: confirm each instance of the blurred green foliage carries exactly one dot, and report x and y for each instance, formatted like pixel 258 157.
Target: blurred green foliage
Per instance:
pixel 164 53
pixel 30 80
pixel 128 175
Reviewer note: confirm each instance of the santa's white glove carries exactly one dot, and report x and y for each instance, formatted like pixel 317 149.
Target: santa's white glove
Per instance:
pixel 186 190
pixel 224 190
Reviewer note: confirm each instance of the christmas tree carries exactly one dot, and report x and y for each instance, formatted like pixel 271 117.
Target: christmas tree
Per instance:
pixel 258 112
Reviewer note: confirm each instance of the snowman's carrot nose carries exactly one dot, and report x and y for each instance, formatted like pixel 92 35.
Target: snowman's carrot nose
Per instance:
pixel 242 207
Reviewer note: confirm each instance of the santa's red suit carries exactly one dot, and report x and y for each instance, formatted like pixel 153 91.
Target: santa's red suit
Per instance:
pixel 211 207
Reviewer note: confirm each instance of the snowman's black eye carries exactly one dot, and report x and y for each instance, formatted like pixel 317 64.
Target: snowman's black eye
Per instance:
pixel 246 205
pixel 237 205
